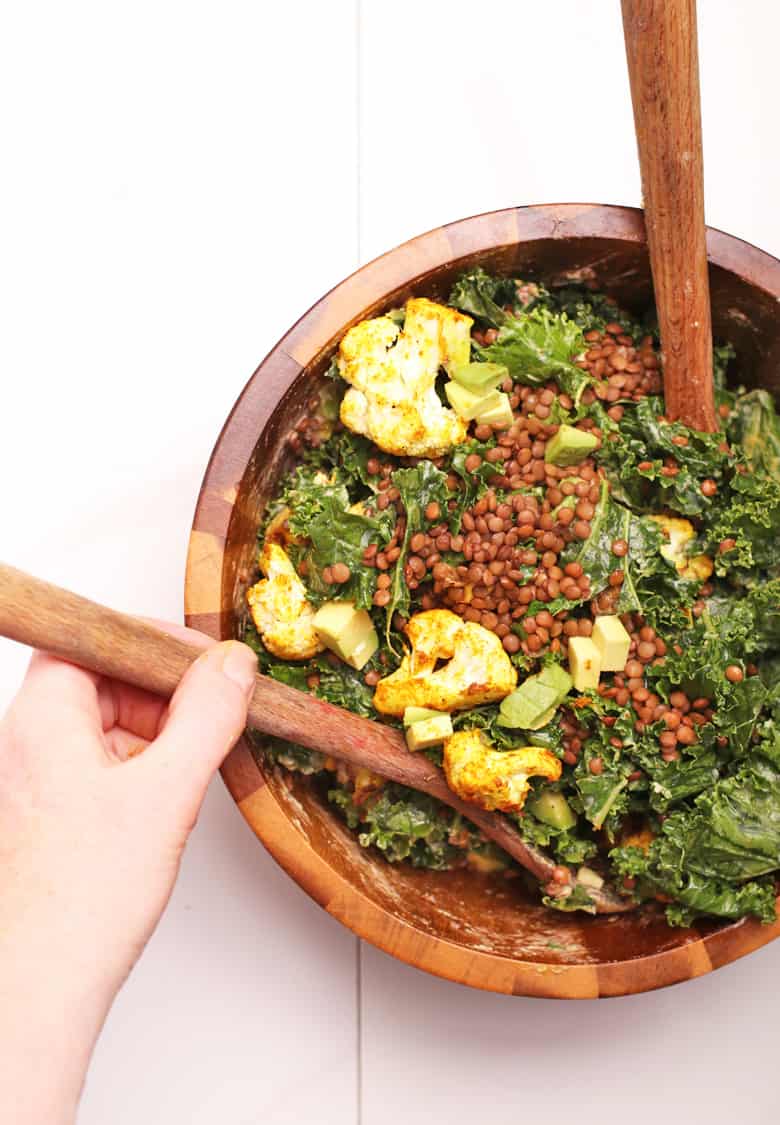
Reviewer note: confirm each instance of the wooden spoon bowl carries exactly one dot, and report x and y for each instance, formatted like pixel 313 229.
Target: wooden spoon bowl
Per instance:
pixel 479 930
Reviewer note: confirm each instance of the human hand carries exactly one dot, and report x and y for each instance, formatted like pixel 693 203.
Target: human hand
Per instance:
pixel 100 786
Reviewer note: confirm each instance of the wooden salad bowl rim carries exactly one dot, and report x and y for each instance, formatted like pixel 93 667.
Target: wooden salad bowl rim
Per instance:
pixel 209 600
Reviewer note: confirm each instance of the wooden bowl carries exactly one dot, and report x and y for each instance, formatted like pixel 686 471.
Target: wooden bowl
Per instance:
pixel 477 930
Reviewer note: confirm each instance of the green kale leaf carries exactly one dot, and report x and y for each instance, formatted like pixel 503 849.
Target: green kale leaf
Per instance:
pixel 536 346
pixel 642 439
pixel 755 426
pixel 565 843
pixel 750 515
pixel 337 535
pixel 474 483
pixel 293 757
pixel 483 296
pixel 419 487
pixel 672 782
pixel 407 825
pixel 651 583
pixel 708 856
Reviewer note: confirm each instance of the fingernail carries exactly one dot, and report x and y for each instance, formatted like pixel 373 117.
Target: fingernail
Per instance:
pixel 239 664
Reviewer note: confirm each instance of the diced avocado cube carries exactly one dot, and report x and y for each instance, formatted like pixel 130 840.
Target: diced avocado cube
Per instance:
pixel 468 404
pixel 532 705
pixel 569 446
pixel 556 677
pixel 480 377
pixel 429 732
pixel 500 416
pixel 419 715
pixel 362 652
pixel 584 663
pixel 543 720
pixel 347 631
pixel 527 705
pixel 552 808
pixel 612 641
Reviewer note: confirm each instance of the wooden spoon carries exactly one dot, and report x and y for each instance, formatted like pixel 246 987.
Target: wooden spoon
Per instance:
pixel 663 68
pixel 113 644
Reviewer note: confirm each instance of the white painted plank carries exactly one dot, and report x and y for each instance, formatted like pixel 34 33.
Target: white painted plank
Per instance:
pixel 179 185
pixel 464 109
pixel 702 1051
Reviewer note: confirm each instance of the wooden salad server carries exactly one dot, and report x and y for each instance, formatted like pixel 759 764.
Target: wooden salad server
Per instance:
pixel 113 644
pixel 663 68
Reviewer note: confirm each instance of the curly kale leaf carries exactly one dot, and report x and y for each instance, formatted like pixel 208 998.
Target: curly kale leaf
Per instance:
pixel 307 493
pixel 337 535
pixel 593 310
pixel 709 857
pixel 706 649
pixel 474 483
pixel 342 459
pixel 672 782
pixel 642 438
pixel 748 625
pixel 755 426
pixel 750 516
pixel 419 487
pixel 579 899
pixel 538 345
pixel 651 583
pixel 481 295
pixel 695 894
pixel 406 825
pixel 604 797
pixel 346 688
pixel 565 843
pixel 351 454
pixel 293 757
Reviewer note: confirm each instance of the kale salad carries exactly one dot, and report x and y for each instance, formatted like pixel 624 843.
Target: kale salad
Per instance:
pixel 495 540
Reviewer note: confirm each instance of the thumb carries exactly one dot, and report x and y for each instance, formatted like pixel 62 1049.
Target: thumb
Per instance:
pixel 205 718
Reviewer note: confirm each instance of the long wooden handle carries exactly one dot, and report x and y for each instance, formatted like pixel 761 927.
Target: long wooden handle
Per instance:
pixel 663 68
pixel 125 648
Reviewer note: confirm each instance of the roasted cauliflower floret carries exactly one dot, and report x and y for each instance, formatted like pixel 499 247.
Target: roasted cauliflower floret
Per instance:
pixel 479 670
pixel 392 375
pixel 494 779
pixel 279 609
pixel 679 533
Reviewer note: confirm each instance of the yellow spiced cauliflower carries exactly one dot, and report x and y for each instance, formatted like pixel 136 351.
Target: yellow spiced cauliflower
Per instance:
pixel 392 375
pixel 494 779
pixel 283 616
pixel 478 668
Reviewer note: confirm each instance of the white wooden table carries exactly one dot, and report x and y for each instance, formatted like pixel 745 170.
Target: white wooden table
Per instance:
pixel 181 180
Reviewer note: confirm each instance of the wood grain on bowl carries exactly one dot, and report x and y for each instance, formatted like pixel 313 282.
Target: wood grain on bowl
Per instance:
pixel 485 931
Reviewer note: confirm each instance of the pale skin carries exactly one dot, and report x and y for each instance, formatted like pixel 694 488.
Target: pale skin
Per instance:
pixel 100 786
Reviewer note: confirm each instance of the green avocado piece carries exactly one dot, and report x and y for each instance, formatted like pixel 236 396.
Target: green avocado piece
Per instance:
pixel 419 715
pixel 500 416
pixel 556 677
pixel 569 446
pixel 532 705
pixel 468 404
pixel 480 377
pixel 527 704
pixel 552 808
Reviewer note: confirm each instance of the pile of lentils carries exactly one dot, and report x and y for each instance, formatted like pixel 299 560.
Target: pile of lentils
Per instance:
pixel 511 545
